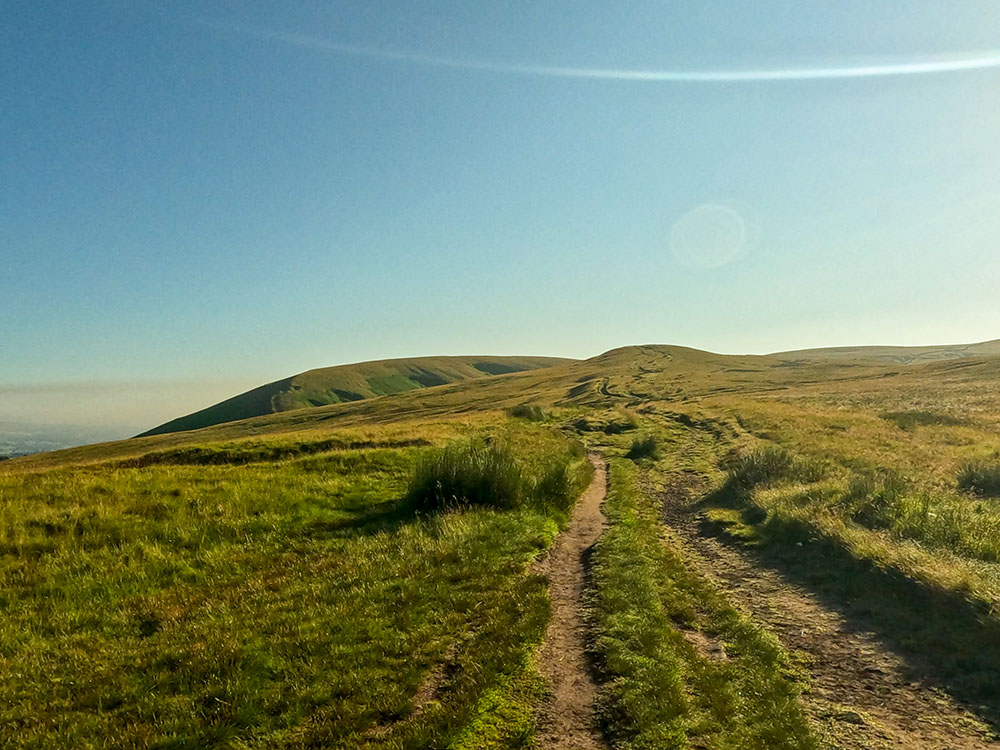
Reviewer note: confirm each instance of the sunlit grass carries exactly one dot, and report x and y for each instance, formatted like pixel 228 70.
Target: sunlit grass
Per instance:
pixel 659 691
pixel 282 603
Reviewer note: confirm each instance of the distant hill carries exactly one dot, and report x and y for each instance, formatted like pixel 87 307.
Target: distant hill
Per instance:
pixel 904 355
pixel 334 385
pixel 640 378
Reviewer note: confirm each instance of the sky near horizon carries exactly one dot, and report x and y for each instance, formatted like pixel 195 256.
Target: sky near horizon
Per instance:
pixel 196 197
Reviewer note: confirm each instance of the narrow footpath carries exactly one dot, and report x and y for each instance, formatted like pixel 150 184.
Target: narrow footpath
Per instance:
pixel 567 720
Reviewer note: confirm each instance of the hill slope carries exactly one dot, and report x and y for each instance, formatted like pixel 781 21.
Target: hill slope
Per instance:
pixel 903 355
pixel 334 385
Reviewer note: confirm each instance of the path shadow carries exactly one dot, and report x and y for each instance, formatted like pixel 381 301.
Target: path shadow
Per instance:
pixel 945 639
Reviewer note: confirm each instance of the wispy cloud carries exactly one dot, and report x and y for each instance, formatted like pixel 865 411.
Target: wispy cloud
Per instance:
pixel 920 66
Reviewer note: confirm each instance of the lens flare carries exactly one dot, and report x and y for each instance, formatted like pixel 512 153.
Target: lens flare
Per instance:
pixel 708 236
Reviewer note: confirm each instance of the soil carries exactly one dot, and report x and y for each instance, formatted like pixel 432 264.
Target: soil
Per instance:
pixel 567 719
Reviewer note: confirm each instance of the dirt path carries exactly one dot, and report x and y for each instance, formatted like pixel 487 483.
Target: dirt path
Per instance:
pixel 567 719
pixel 859 697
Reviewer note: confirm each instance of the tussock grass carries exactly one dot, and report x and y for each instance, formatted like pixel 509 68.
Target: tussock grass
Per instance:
pixel 610 423
pixel 478 474
pixel 658 690
pixel 465 475
pixel 531 412
pixel 644 446
pixel 769 465
pixel 873 498
pixel 980 477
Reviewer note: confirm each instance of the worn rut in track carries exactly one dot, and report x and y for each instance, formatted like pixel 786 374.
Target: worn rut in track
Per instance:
pixel 860 696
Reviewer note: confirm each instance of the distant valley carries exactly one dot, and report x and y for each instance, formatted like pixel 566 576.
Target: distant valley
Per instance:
pixel 21 439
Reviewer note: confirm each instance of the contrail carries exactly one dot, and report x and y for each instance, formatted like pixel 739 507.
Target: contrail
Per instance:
pixel 984 61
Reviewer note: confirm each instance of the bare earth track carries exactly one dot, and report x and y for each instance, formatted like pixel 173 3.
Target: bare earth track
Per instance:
pixel 567 719
pixel 859 696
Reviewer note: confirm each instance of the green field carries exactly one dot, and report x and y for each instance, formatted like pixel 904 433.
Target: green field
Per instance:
pixel 271 582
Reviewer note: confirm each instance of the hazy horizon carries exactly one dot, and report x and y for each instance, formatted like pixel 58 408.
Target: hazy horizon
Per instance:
pixel 125 408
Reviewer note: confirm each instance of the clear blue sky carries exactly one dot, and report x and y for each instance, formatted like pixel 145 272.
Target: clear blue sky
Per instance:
pixel 227 193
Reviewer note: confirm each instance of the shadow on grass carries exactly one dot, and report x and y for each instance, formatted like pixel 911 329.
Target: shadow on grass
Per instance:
pixel 944 638
pixel 388 516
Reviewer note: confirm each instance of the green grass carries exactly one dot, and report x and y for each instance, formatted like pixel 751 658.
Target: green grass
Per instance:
pixel 642 447
pixel 910 419
pixel 354 382
pixel 201 589
pixel 980 477
pixel 283 603
pixel 479 474
pixel 659 691
pixel 531 412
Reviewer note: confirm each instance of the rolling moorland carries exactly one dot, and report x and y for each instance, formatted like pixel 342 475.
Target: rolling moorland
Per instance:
pixel 798 550
pixel 335 385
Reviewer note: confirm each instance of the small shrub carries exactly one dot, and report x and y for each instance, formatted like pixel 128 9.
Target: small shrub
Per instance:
pixel 643 446
pixel 465 475
pixel 980 477
pixel 530 412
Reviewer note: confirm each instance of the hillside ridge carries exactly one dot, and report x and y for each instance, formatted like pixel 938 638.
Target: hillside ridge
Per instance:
pixel 352 382
pixel 898 354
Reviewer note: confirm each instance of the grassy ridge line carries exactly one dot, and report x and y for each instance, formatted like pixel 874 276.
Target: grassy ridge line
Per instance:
pixel 354 382
pixel 659 691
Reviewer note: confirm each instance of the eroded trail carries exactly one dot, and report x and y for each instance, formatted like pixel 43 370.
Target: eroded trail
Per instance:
pixel 860 695
pixel 567 719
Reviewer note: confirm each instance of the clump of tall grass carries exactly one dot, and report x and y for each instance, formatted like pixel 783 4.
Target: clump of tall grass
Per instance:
pixel 556 487
pixel 769 465
pixel 530 412
pixel 480 474
pixel 643 446
pixel 760 467
pixel 873 499
pixel 610 423
pixel 464 475
pixel 980 477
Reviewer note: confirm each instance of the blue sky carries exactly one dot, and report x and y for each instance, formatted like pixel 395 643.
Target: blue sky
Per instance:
pixel 199 197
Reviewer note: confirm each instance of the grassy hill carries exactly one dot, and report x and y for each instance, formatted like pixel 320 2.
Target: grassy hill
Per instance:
pixel 265 583
pixel 334 385
pixel 899 354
